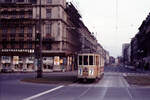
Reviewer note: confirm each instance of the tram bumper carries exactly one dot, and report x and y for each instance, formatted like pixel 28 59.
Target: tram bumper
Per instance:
pixel 86 73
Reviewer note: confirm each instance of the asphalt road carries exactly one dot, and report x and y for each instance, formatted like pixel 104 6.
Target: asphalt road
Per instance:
pixel 111 87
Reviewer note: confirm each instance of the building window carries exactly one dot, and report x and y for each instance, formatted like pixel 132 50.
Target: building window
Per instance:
pixel 19 0
pixel 13 14
pixel 22 30
pixel 12 36
pixel 4 30
pixel 48 28
pixel 48 13
pixel 29 35
pixel 22 14
pixel 13 30
pixel 4 45
pixel 12 39
pixel 12 45
pixel 21 46
pixel 48 46
pixel 30 30
pixel 5 58
pixel 33 1
pixel 49 1
pixel 8 1
pixel 30 45
pixel 4 35
pixel 30 14
pixel 21 35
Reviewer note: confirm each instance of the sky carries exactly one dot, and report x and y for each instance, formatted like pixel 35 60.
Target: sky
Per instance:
pixel 114 22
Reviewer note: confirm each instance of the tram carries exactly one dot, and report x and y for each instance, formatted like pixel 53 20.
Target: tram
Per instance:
pixel 90 66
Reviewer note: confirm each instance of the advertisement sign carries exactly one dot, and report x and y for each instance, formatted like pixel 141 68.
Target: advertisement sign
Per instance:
pixel 15 59
pixel 48 60
pixel 56 60
pixel 61 61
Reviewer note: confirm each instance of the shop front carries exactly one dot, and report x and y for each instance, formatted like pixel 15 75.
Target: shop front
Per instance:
pixel 6 64
pixel 29 65
pixel 48 63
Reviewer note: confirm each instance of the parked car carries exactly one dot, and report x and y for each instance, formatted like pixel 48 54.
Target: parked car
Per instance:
pixel 7 70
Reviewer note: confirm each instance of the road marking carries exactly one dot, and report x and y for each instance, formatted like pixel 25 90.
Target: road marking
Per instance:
pixel 124 74
pixel 129 93
pixel 40 94
pixel 125 82
pixel 85 92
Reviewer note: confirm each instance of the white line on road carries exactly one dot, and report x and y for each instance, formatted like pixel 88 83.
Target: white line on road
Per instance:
pixel 40 94
pixel 129 93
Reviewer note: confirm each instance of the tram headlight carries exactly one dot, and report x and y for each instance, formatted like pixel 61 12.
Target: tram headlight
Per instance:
pixel 80 71
pixel 91 71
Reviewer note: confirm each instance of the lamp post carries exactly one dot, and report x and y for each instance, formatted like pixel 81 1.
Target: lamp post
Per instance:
pixel 39 46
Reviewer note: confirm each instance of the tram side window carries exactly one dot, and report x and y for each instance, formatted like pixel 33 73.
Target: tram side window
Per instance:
pixel 91 60
pixel 80 60
pixel 97 60
pixel 85 60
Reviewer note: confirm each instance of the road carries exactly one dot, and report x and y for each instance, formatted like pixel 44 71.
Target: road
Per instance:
pixel 111 87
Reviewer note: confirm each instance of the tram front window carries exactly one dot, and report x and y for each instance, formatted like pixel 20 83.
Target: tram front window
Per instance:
pixel 85 60
pixel 80 60
pixel 90 60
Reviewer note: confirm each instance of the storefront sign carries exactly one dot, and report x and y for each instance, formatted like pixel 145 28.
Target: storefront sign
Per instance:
pixel 18 50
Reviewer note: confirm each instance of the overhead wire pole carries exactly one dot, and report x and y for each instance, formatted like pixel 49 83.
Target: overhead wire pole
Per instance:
pixel 116 16
pixel 39 49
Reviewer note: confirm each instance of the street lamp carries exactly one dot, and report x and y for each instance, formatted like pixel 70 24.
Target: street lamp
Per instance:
pixel 39 46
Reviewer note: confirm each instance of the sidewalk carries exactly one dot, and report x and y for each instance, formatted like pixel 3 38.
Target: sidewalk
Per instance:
pixel 64 78
pixel 138 77
pixel 138 80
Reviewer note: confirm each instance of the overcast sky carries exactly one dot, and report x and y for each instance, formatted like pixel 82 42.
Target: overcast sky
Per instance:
pixel 114 21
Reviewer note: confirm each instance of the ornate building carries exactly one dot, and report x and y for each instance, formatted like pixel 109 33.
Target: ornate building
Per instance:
pixel 61 30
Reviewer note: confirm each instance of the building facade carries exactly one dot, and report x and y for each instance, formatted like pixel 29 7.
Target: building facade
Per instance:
pixel 111 60
pixel 19 28
pixel 140 46
pixel 63 35
pixel 126 53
